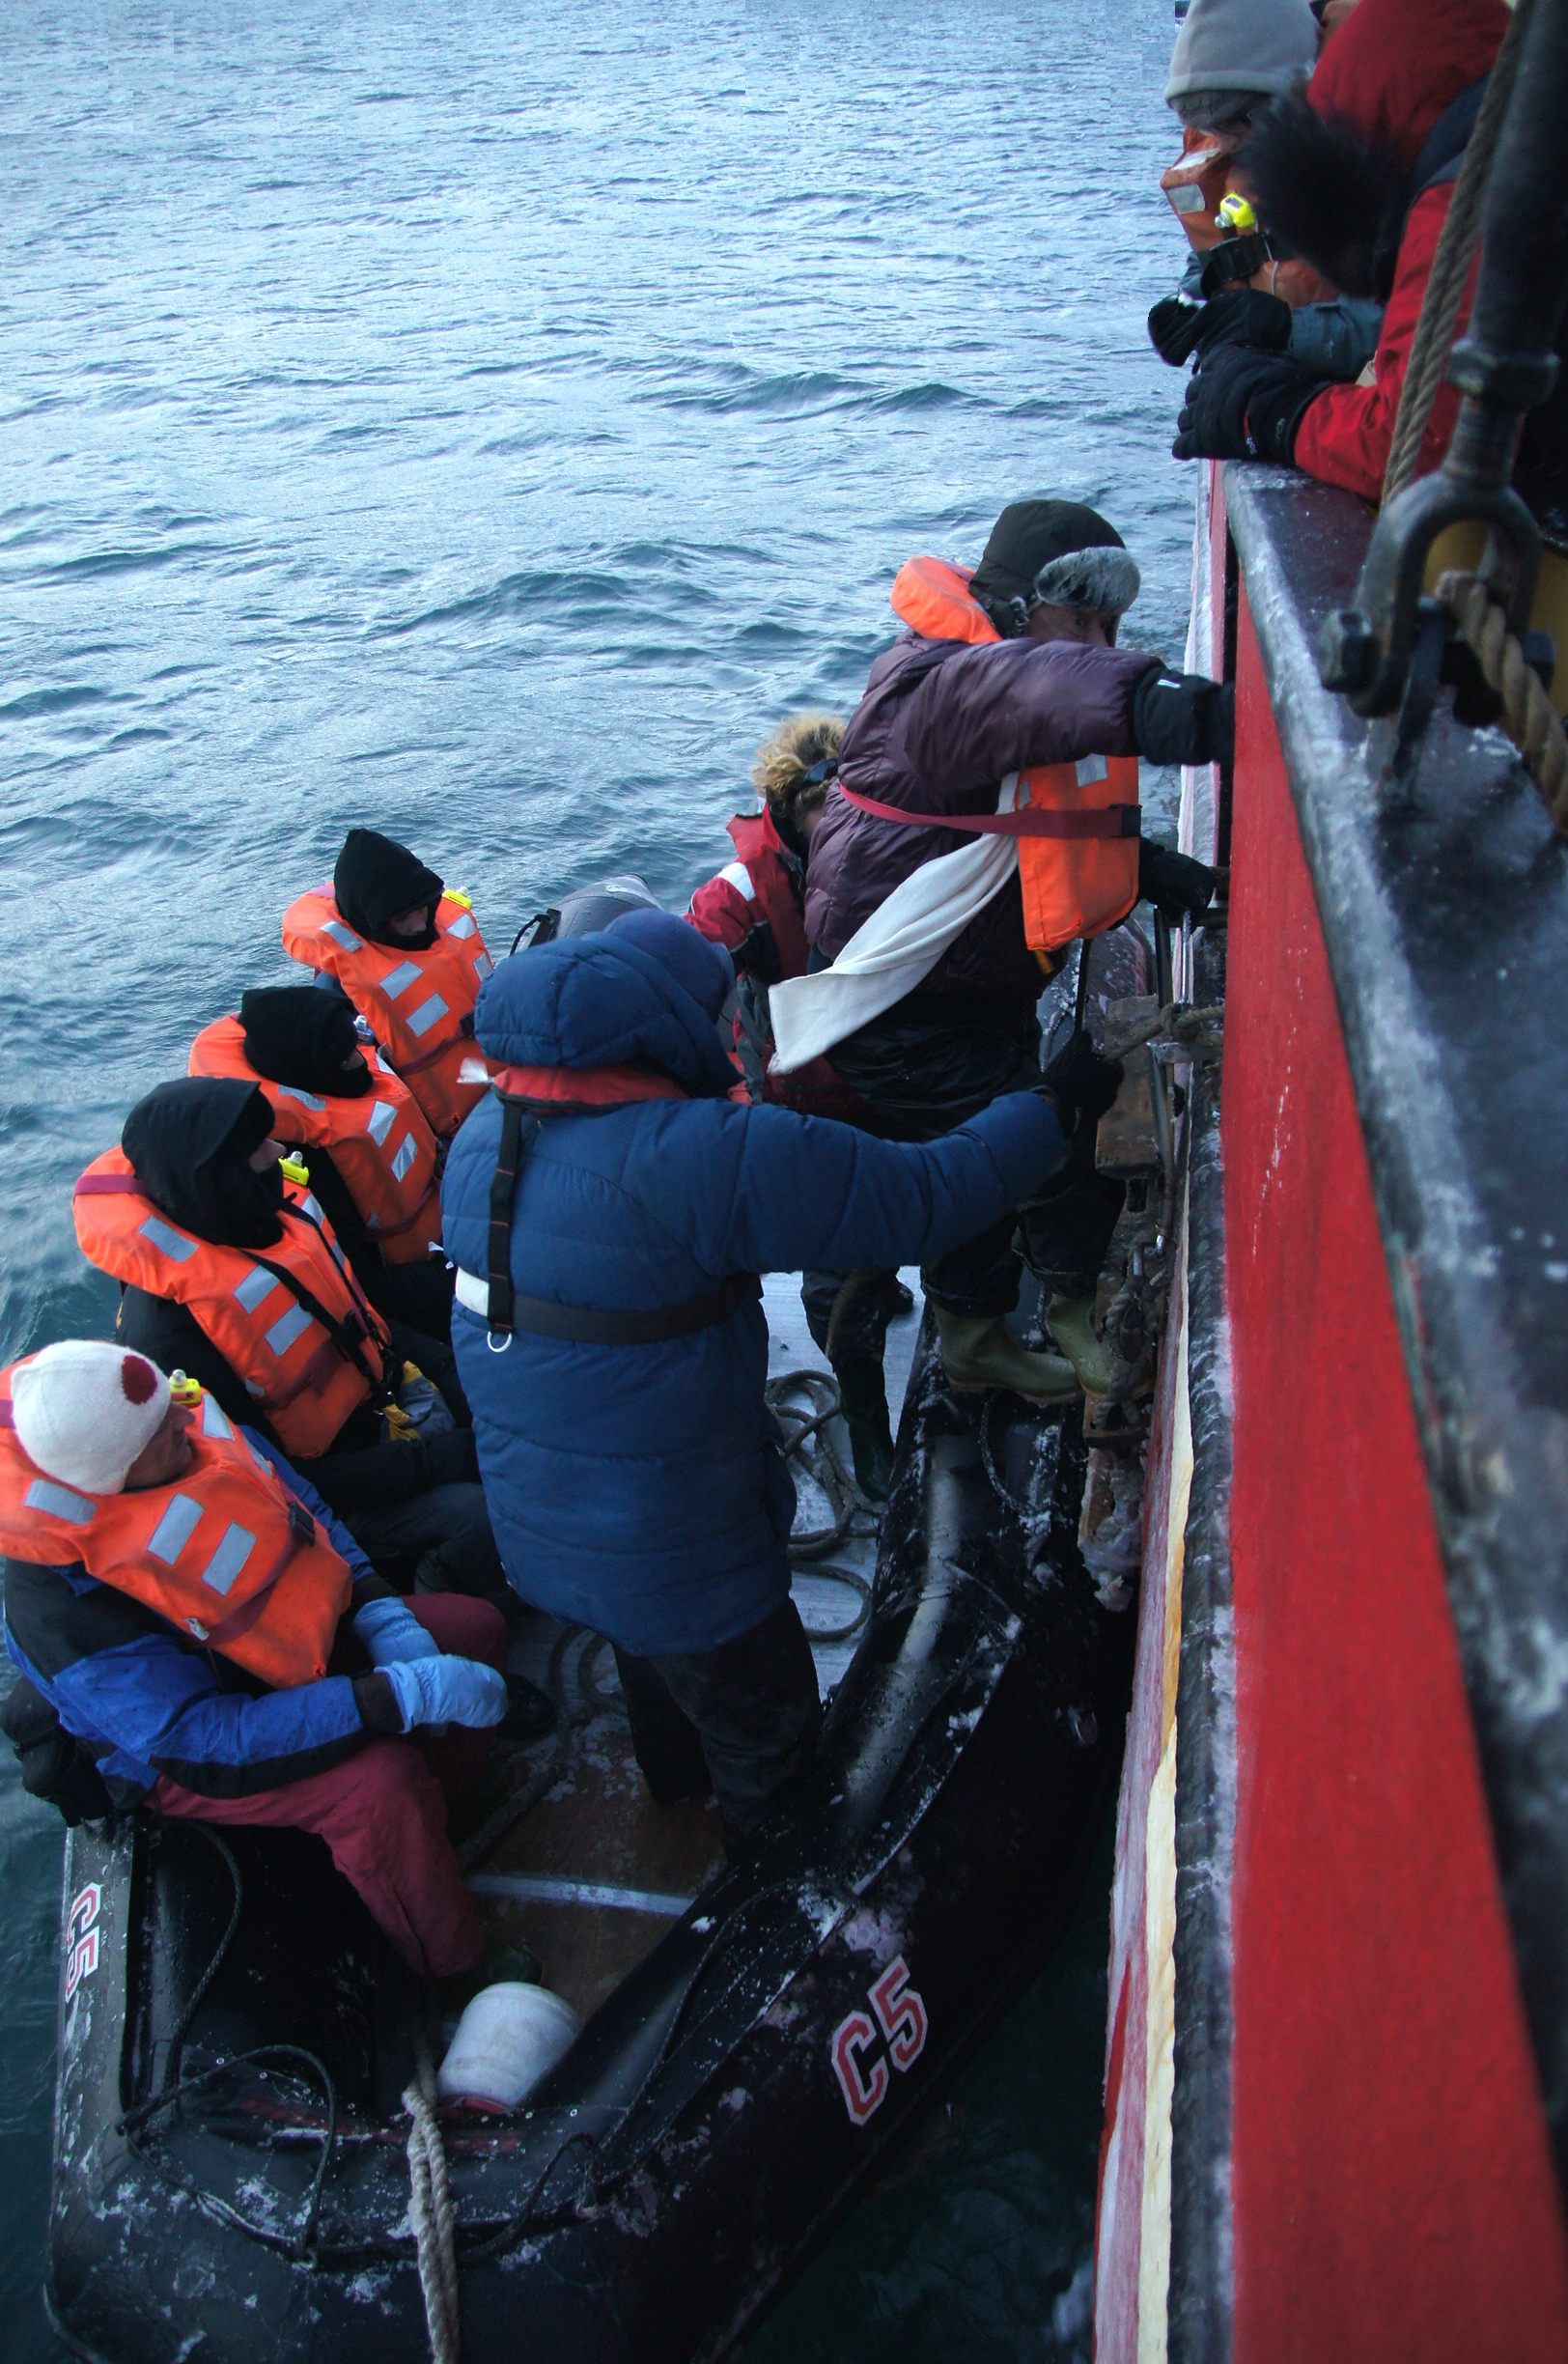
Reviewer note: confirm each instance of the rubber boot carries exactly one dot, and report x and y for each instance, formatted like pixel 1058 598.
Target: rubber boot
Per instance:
pixel 983 1353
pixel 862 1392
pixel 1071 1323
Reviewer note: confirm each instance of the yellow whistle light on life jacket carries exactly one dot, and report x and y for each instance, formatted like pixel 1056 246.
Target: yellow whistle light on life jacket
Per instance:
pixel 1236 215
pixel 296 1171
pixel 452 896
pixel 185 1391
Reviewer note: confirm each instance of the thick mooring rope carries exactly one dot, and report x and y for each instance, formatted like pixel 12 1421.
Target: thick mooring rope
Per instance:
pixel 430 2215
pixel 1532 721
pixel 1196 1032
pixel 1449 276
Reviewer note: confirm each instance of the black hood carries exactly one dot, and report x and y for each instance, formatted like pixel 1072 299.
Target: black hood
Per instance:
pixel 300 1035
pixel 191 1145
pixel 375 877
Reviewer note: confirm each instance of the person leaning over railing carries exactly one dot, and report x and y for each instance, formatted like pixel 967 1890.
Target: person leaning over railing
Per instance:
pixel 1358 174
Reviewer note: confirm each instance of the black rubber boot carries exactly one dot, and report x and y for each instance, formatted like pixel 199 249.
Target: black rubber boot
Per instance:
pixel 530 1713
pixel 864 1393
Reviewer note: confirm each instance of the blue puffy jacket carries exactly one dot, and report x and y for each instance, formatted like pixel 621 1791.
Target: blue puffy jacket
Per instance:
pixel 640 1489
pixel 144 1701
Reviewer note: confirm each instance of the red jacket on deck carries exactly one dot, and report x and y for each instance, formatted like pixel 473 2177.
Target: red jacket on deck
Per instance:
pixel 1388 72
pixel 1346 432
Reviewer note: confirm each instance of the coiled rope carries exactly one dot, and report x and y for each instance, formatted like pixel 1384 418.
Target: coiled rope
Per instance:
pixel 1531 720
pixel 1449 276
pixel 429 2213
pixel 806 1436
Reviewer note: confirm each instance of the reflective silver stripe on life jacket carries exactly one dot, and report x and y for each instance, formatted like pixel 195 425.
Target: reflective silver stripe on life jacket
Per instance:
pixel 399 979
pixel 464 926
pixel 292 1092
pixel 61 1502
pixel 342 935
pixel 228 1559
pixel 255 1289
pixel 173 1242
pixel 1090 769
pixel 286 1327
pixel 311 1205
pixel 214 1420
pixel 484 966
pixel 402 1157
pixel 421 1020
pixel 738 876
pixel 381 1121
pixel 175 1529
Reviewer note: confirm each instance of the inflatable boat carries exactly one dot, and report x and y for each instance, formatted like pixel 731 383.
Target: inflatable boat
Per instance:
pixel 232 2177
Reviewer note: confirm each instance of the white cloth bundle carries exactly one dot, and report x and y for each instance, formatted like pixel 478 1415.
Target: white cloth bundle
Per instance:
pixel 890 953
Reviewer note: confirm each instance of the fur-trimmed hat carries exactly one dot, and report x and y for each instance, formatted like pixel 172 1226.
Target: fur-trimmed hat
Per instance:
pixel 1056 553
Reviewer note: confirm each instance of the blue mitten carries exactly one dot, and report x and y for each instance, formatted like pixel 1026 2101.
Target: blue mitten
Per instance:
pixel 442 1690
pixel 391 1633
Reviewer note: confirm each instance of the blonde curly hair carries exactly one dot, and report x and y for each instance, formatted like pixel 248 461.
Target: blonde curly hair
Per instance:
pixel 787 754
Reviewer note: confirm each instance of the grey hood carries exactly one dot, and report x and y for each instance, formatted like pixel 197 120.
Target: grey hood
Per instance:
pixel 1267 45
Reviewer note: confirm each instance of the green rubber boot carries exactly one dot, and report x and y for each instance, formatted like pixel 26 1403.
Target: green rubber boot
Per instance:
pixel 1071 1323
pixel 983 1353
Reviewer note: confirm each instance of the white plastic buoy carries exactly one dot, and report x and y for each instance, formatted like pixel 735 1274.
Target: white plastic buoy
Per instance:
pixel 507 2039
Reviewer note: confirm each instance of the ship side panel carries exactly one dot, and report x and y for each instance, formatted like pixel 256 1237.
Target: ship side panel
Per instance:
pixel 1393 2193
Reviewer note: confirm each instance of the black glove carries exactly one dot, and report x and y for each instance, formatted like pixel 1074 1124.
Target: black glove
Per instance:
pixel 1080 1083
pixel 1183 717
pixel 1178 887
pixel 1245 406
pixel 1244 316
pixel 451 1458
pixel 1173 328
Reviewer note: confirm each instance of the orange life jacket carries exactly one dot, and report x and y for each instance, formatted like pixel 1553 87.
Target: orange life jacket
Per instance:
pixel 306 1374
pixel 1077 845
pixel 417 1005
pixel 379 1143
pixel 224 1552
pixel 1196 185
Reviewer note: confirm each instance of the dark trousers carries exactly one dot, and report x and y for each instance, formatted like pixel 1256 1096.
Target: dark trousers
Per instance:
pixel 927 1067
pixel 744 1716
pixel 438 1541
pixel 848 1314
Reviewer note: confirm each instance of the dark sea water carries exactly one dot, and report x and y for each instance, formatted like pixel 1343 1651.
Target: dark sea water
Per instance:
pixel 481 421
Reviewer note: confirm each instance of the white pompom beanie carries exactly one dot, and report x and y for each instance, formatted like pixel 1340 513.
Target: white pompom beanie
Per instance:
pixel 85 1410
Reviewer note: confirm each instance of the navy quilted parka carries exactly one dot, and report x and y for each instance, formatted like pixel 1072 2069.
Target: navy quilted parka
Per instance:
pixel 639 1489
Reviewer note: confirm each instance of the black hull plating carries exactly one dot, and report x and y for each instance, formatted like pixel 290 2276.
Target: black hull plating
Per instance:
pixel 699 2138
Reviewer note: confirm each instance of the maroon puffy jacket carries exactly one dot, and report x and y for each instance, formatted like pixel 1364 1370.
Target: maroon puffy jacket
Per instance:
pixel 941 724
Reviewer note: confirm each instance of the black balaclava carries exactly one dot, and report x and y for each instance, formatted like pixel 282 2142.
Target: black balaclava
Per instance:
pixel 190 1144
pixel 375 877
pixel 1053 551
pixel 300 1035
